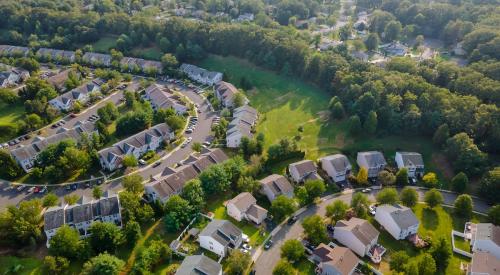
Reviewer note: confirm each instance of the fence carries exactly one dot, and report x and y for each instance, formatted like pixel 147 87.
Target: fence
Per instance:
pixel 455 249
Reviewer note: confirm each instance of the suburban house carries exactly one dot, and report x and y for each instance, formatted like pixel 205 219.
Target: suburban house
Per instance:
pixel 398 220
pixel 337 167
pixel 26 155
pixel 483 263
pixel 394 49
pixel 334 261
pixel 131 64
pixel 199 264
pixel 56 55
pixel 172 181
pixel 244 119
pixel 360 236
pixel 8 50
pixel 303 170
pixel 244 207
pixel 201 75
pixel 413 162
pixel 220 237
pixel 162 97
pixel 373 161
pixel 485 237
pixel 226 92
pixel 246 17
pixel 59 80
pixel 12 76
pixel 276 185
pixel 81 215
pixel 81 94
pixel 137 145
pixel 97 59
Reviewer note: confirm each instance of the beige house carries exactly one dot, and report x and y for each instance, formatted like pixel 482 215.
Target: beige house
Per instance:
pixel 303 170
pixel 244 207
pixel 276 185
pixel 334 261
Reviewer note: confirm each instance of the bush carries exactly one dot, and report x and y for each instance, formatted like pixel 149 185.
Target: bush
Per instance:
pixel 463 206
pixel 430 180
pixel 387 196
pixel 433 198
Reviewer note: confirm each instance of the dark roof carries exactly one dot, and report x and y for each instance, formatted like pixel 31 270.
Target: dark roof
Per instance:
pixel 199 265
pixel 53 217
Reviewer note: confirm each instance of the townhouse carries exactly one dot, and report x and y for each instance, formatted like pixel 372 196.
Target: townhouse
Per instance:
pixel 373 161
pixel 131 64
pixel 201 75
pixel 13 51
pixel 97 59
pixel 337 167
pixel 10 76
pixel 226 94
pixel 137 145
pixel 220 237
pixel 244 120
pixel 162 97
pixel 412 161
pixel 56 55
pixel 483 263
pixel 244 207
pixel 81 94
pixel 276 185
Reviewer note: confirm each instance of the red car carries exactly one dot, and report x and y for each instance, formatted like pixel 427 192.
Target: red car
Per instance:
pixel 36 190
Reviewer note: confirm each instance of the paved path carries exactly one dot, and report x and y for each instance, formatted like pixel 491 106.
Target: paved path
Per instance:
pixel 269 258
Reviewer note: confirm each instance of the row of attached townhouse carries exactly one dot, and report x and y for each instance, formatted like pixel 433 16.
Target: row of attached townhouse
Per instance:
pixel 162 97
pixel 226 92
pixel 201 75
pixel 244 207
pixel 97 59
pixel 13 51
pixel 82 214
pixel 244 120
pixel 145 65
pixel 26 155
pixel 485 247
pixel 81 94
pixel 172 181
pixel 137 145
pixel 10 76
pixel 56 55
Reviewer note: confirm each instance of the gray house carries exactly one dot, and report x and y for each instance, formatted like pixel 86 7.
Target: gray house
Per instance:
pixel 199 264
pixel 372 161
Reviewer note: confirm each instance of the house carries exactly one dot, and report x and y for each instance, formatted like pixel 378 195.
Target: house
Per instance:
pixel 459 50
pixel 26 155
pixel 485 238
pixel 245 17
pixel 394 49
pixel 13 51
pixel 199 264
pixel 137 145
pixel 81 215
pixel 334 261
pixel 483 263
pixel 220 237
pixel 398 220
pixel 413 162
pixel 162 97
pixel 357 234
pixel 201 75
pixel 276 185
pixel 12 76
pixel 226 93
pixel 337 167
pixel 172 181
pixel 97 59
pixel 134 64
pixel 56 55
pixel 81 94
pixel 303 170
pixel 373 161
pixel 244 207
pixel 59 80
pixel 244 119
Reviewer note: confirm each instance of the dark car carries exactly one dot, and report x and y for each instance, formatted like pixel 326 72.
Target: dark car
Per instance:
pixel 74 186
pixel 157 164
pixel 330 228
pixel 268 245
pixel 292 220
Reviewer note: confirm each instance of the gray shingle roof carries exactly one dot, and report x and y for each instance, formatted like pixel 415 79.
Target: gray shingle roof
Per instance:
pixel 373 158
pixel 278 184
pixel 362 229
pixel 304 166
pixel 338 161
pixel 223 232
pixel 488 231
pixel 199 265
pixel 402 215
pixel 412 159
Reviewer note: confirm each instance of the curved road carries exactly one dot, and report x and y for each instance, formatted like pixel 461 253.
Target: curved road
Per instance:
pixel 266 262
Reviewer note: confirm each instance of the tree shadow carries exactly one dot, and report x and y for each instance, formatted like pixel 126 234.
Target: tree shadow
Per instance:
pixel 430 219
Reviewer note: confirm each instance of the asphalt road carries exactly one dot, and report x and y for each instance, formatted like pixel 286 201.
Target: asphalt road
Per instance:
pixel 269 258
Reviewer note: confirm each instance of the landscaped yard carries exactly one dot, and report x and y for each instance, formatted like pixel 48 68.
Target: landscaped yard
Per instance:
pixel 21 266
pixel 10 115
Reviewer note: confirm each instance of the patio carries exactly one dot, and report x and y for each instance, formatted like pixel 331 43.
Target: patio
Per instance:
pixel 376 252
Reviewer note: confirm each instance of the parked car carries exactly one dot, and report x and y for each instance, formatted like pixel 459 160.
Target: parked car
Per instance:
pixel 292 220
pixel 142 162
pixel 36 190
pixel 189 131
pixel 244 251
pixel 156 164
pixel 268 245
pixel 31 190
pixel 366 190
pixel 245 238
pixel 246 246
pixel 43 190
pixel 189 139
pixel 21 188
pixel 74 186
pixel 372 210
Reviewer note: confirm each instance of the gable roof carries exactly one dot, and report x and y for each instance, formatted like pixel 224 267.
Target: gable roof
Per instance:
pixel 278 184
pixel 341 258
pixel 484 263
pixel 304 167
pixel 198 265
pixel 243 201
pixel 373 158
pixel 223 232
pixel 226 90
pixel 362 229
pixel 194 71
pixel 402 215
pixel 338 161
pixel 411 159
pixel 488 231
pixel 257 212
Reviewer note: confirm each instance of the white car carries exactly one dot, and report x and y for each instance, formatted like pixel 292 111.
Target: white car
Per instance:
pixel 246 246
pixel 245 238
pixel 366 190
pixel 142 162
pixel 372 209
pixel 189 139
pixel 244 250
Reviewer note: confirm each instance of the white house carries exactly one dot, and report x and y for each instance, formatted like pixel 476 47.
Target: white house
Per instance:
pixel 334 261
pixel 483 263
pixel 276 185
pixel 337 167
pixel 303 170
pixel 199 264
pixel 398 220
pixel 413 162
pixel 220 237
pixel 148 140
pixel 82 214
pixel 12 76
pixel 373 161
pixel 244 207
pixel 161 97
pixel 357 234
pixel 486 238
pixel 244 119
pixel 81 94
pixel 201 75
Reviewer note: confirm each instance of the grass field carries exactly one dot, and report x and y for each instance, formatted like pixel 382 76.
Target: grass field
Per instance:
pixel 9 115
pixel 21 266
pixel 147 53
pixel 104 44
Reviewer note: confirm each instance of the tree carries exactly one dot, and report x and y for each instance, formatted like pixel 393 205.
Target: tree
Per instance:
pixel 433 198
pixel 281 207
pixel 412 268
pixel 338 111
pixel 337 210
pixel 362 177
pixel 10 168
pixel 360 204
pixel 133 183
pixel 178 213
pixel 33 121
pixel 103 264
pixel 354 125
pixel 427 265
pixel 194 194
pixel 132 232
pixel 460 182
pixel 292 250
pixel 71 199
pixel 494 214
pixel 408 196
pixel 387 196
pixel 398 261
pixel 237 262
pixel 175 122
pixel 196 146
pixel 108 113
pixel 130 161
pixel 133 210
pixel 386 178
pixel 65 243
pixel 372 41
pixel 463 206
pixel 20 225
pixel 55 265
pixel 238 100
pixel 169 62
pixel 370 125
pixel 215 180
pixel 8 96
pixel 97 192
pixel 430 180
pixel 248 184
pixel 441 135
pixel 315 188
pixel 157 252
pixel 50 200
pixel 105 237
pixel 393 30
pixel 489 187
pixel 441 252
pixel 402 177
pixel 284 268
pixel 315 229
pixel 465 154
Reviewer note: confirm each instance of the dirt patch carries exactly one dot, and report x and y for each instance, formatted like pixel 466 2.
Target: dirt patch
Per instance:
pixel 443 164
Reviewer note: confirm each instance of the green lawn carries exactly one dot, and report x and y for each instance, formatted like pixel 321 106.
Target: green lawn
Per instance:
pixel 153 53
pixel 104 44
pixel 21 266
pixel 10 115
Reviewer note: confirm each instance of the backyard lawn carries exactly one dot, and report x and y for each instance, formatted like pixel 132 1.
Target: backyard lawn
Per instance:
pixel 21 266
pixel 9 115
pixel 152 53
pixel 104 44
